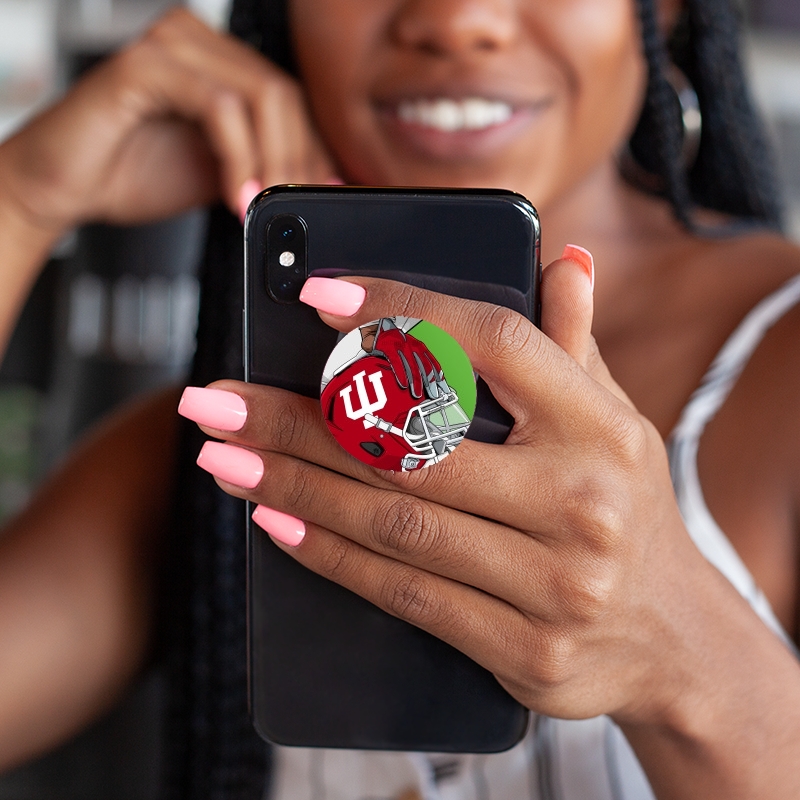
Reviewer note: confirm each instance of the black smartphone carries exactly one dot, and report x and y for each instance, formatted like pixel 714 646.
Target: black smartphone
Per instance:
pixel 327 668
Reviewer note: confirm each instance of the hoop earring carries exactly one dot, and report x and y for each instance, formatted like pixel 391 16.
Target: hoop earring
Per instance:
pixel 691 120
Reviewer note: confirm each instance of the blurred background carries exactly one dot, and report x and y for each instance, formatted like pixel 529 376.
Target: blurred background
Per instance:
pixel 114 313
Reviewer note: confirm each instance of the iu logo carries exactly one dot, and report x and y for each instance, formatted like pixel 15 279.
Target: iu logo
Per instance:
pixel 365 407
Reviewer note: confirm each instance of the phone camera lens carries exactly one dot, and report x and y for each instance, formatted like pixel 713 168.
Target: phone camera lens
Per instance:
pixel 286 257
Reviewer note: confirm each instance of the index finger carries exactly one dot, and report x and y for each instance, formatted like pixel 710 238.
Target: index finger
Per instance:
pixel 521 365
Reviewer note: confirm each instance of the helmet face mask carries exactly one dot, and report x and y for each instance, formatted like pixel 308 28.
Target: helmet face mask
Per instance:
pixel 432 429
pixel 435 427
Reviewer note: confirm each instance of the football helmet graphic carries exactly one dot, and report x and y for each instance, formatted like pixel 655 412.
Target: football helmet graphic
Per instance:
pixel 374 414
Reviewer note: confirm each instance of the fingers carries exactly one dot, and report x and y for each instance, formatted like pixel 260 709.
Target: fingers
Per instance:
pixel 401 369
pixel 567 311
pixel 417 532
pixel 567 303
pixel 252 113
pixel 529 375
pixel 449 610
pixel 427 374
pixel 223 114
pixel 525 369
pixel 477 478
pixel 428 369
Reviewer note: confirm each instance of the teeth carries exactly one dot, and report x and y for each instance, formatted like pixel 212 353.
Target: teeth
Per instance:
pixel 448 115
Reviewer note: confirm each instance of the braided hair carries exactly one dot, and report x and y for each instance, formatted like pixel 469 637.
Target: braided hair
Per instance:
pixel 211 748
pixel 733 172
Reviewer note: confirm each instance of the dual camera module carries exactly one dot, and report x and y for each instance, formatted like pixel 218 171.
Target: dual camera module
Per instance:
pixel 287 243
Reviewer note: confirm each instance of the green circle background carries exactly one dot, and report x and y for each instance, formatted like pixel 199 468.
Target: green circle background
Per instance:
pixel 453 360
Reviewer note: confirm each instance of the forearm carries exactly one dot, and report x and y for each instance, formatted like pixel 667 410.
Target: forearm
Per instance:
pixel 24 248
pixel 733 729
pixel 77 578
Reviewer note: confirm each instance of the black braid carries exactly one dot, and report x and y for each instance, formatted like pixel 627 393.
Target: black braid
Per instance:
pixel 265 25
pixel 733 172
pixel 212 750
pixel 656 143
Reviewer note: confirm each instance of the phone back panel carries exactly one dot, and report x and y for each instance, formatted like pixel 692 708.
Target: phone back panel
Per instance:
pixel 327 668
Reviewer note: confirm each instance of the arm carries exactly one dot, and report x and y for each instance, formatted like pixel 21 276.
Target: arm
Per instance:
pixel 24 248
pixel 558 560
pixel 180 118
pixel 77 572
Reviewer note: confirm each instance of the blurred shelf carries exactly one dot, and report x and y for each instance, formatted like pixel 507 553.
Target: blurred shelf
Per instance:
pixel 773 62
pixel 773 59
pixel 104 25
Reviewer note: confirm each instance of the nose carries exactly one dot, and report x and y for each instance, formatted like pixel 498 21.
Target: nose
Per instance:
pixel 450 27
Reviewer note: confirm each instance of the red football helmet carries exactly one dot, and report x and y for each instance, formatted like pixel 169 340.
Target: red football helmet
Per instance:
pixel 381 423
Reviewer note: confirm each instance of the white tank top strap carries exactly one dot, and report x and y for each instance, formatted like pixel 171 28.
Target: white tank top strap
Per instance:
pixel 684 441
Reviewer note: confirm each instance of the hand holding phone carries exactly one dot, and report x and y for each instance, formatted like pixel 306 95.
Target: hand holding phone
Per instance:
pixel 508 553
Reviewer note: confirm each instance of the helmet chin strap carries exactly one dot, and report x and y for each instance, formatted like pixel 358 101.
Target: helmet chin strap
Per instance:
pixel 371 421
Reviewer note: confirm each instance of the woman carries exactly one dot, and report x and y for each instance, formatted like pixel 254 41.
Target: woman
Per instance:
pixel 581 584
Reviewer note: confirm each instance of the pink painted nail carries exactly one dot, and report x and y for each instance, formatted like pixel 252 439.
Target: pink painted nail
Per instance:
pixel 232 464
pixel 249 190
pixel 216 408
pixel 283 527
pixel 341 298
pixel 580 255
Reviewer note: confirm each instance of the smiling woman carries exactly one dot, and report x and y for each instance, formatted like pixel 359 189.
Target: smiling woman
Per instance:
pixel 646 632
pixel 391 87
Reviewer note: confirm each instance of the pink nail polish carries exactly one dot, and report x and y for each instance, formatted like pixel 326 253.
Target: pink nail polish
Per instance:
pixel 216 408
pixel 283 527
pixel 341 298
pixel 249 190
pixel 580 255
pixel 232 464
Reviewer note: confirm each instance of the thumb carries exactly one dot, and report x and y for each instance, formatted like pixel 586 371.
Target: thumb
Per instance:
pixel 568 303
pixel 567 310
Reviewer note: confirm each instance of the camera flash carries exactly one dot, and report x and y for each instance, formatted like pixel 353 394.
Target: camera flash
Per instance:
pixel 286 258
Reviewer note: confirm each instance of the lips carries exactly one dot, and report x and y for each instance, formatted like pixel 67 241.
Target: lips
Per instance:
pixel 467 126
pixel 449 115
pixel 454 117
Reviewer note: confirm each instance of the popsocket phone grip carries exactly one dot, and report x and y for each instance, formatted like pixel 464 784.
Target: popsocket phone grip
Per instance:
pixel 398 393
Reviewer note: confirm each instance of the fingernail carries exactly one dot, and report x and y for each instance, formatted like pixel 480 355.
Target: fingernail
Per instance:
pixel 334 180
pixel 232 464
pixel 250 188
pixel 283 527
pixel 216 408
pixel 580 255
pixel 334 296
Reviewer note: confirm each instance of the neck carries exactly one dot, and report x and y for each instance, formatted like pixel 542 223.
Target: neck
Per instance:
pixel 611 219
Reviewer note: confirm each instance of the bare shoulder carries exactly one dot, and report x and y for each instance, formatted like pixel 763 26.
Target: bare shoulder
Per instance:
pixel 749 458
pixel 755 263
pixel 733 274
pixel 759 267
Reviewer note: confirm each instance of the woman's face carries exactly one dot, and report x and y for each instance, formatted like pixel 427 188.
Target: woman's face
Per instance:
pixel 530 95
